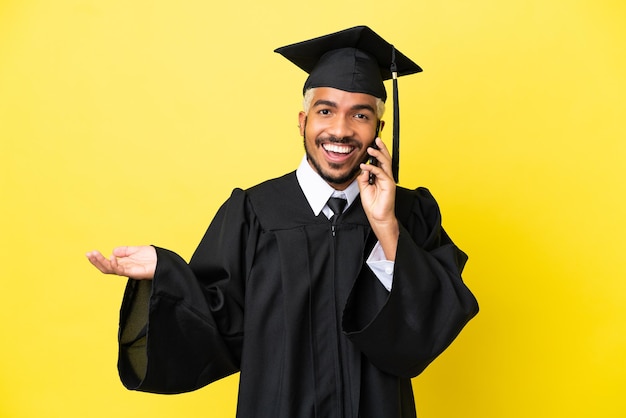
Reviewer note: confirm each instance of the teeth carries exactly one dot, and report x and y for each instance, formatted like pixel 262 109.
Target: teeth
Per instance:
pixel 340 149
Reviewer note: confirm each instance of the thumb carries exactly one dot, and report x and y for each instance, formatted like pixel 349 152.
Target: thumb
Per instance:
pixel 125 251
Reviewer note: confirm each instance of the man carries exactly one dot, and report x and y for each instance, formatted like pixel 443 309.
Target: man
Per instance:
pixel 326 309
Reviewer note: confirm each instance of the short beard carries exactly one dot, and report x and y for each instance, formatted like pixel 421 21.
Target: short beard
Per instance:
pixel 327 177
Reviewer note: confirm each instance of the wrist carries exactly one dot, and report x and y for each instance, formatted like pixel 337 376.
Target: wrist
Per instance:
pixel 388 234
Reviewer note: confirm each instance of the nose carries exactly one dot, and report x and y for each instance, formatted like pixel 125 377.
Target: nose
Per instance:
pixel 340 127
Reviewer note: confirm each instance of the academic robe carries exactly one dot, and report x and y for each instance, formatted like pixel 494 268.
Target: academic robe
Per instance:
pixel 270 292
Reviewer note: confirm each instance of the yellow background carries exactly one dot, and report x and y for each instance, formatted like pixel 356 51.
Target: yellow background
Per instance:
pixel 129 122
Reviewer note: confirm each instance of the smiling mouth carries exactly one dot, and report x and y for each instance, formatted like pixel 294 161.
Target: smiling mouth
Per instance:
pixel 341 149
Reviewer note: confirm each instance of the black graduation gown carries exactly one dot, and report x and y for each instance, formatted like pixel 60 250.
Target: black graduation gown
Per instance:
pixel 272 293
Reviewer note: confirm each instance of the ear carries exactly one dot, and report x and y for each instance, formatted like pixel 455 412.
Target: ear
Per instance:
pixel 302 122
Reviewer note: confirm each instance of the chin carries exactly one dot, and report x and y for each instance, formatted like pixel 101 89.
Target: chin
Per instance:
pixel 339 178
pixel 332 173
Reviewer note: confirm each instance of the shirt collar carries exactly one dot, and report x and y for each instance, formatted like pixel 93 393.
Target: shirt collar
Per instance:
pixel 317 191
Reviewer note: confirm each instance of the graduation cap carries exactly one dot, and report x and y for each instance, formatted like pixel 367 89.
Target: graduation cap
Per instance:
pixel 356 60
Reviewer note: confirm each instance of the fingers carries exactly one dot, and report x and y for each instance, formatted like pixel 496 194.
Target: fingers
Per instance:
pixel 366 169
pixel 383 156
pixel 115 267
pixel 100 262
pixel 106 265
pixel 381 173
pixel 382 149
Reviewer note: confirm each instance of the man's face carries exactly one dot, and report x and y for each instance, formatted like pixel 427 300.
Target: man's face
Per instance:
pixel 337 131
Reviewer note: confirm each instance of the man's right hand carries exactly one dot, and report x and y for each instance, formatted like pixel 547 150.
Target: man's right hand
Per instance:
pixel 134 262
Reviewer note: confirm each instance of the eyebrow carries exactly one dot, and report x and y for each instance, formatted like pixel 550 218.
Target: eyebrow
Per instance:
pixel 364 107
pixel 322 102
pixel 330 103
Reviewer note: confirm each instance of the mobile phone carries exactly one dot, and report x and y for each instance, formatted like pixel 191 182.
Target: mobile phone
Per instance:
pixel 372 160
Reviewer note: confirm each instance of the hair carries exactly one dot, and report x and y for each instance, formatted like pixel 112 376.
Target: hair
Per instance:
pixel 308 97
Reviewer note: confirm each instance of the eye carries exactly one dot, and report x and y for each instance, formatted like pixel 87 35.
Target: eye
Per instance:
pixel 324 111
pixel 361 116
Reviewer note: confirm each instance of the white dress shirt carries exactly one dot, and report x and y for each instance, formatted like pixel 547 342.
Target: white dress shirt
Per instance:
pixel 317 193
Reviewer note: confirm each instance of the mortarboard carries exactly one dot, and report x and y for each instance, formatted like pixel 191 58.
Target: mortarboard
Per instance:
pixel 356 60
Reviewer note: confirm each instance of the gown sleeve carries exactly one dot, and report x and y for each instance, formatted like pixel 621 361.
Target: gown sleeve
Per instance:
pixel 183 329
pixel 404 330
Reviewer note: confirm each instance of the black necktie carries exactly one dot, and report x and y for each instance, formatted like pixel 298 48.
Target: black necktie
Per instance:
pixel 336 204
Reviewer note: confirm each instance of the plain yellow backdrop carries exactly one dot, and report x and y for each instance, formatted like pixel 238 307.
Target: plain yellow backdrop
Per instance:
pixel 129 122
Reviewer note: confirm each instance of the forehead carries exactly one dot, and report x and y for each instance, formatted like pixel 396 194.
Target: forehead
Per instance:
pixel 341 98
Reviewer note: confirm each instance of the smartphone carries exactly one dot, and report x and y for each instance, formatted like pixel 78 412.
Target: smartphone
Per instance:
pixel 372 160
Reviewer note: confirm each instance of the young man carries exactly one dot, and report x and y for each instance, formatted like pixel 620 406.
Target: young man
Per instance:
pixel 327 288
